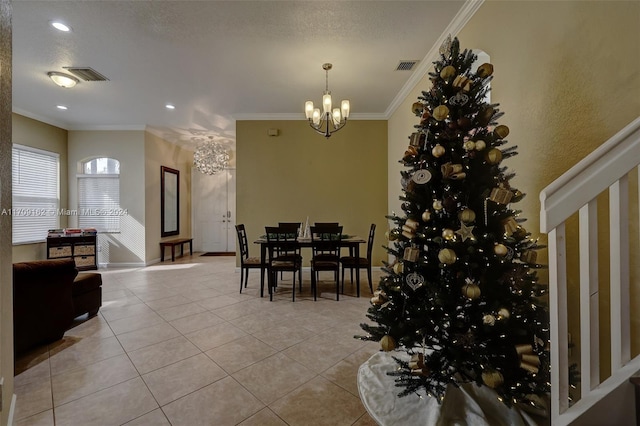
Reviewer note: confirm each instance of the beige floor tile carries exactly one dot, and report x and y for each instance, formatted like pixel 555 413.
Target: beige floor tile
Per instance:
pixel 82 381
pixel 243 308
pixel 205 293
pixel 32 398
pixel 240 353
pixel 32 368
pixel 177 380
pixel 136 322
pixel 41 419
pixel 147 336
pixel 196 322
pixel 161 354
pixel 168 302
pixel 365 420
pixel 222 403
pixel 111 305
pixel 264 417
pixel 319 403
pixel 257 321
pixel 213 303
pixel 216 335
pixel 111 313
pixel 318 353
pixel 95 326
pixel 283 335
pixel 83 352
pixel 180 311
pixel 154 418
pixel 112 406
pixel 273 377
pixel 345 372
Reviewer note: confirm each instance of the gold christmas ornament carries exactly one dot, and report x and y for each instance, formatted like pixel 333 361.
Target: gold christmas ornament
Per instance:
pixel 387 343
pixel 447 72
pixel 465 232
pixel 441 112
pixel 489 319
pixel 425 116
pixel 438 151
pixel 452 171
pixel 500 249
pixel 524 349
pixel 480 145
pixel 379 297
pixel 448 234
pixel 417 108
pixel 504 313
pixel 471 290
pixel 501 195
pixel 484 116
pixel 411 254
pixel 437 205
pixel 447 256
pixel 469 146
pixel 485 70
pixel 492 378
pixel 398 268
pixel 501 131
pixel 510 226
pixel 467 216
pixel 494 156
pixel 417 139
pixel 426 216
pixel 417 366
pixel 462 82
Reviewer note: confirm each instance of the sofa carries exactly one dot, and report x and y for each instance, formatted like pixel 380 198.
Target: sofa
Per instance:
pixel 47 296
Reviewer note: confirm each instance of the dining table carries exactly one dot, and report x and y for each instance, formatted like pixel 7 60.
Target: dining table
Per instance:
pixel 352 242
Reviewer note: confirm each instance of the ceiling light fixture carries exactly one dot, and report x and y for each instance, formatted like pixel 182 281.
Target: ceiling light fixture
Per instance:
pixel 327 122
pixel 210 157
pixel 62 107
pixel 170 106
pixel 60 26
pixel 63 80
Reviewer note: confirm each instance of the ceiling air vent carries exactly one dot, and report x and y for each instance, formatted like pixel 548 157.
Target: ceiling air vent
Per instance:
pixel 86 73
pixel 407 65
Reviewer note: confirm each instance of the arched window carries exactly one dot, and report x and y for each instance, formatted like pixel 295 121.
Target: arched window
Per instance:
pixel 99 195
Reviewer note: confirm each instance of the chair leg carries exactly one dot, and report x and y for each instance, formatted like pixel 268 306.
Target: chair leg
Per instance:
pixel 241 278
pixel 293 288
pixel 343 278
pixel 369 277
pixel 246 277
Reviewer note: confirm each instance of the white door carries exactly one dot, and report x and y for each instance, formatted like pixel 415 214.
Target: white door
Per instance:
pixel 213 200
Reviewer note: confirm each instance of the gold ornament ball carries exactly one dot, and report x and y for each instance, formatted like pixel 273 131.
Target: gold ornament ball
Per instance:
pixel 489 319
pixel 469 145
pixel 438 151
pixel 441 112
pixel 471 290
pixel 426 216
pixel 501 131
pixel 417 108
pixel 448 234
pixel 387 343
pixel 467 215
pixel 494 156
pixel 492 378
pixel 485 70
pixel 447 72
pixel 480 145
pixel 504 313
pixel 398 268
pixel 500 249
pixel 437 205
pixel 447 256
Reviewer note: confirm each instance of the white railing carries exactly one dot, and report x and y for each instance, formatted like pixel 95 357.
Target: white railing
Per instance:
pixel 576 191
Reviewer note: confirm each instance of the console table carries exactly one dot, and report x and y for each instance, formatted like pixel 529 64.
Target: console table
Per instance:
pixel 173 243
pixel 82 249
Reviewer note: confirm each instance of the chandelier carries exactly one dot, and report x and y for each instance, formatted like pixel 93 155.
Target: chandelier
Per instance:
pixel 210 157
pixel 327 122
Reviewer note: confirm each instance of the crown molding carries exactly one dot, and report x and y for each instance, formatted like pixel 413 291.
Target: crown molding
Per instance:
pixel 46 120
pixel 459 21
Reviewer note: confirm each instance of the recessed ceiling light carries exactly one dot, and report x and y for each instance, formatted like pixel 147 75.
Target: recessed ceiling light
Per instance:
pixel 62 107
pixel 62 79
pixel 170 106
pixel 60 26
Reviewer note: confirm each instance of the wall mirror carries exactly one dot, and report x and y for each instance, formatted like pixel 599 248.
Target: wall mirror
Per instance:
pixel 169 201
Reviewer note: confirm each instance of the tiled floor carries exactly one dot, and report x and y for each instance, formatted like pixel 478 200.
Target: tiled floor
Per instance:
pixel 176 344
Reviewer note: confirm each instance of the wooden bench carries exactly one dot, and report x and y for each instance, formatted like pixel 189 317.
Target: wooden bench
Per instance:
pixel 173 243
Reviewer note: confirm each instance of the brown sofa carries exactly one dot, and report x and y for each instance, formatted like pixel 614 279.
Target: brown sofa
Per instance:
pixel 47 296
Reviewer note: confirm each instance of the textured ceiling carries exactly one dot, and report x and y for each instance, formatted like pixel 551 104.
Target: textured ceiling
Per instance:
pixel 216 61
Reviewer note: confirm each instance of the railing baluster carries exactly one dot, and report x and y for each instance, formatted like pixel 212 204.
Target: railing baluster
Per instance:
pixel 619 276
pixel 589 315
pixel 558 316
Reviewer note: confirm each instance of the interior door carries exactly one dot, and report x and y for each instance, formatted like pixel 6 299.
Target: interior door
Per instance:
pixel 213 200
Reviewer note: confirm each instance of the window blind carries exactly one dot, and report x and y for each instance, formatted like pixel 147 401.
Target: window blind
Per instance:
pixel 35 196
pixel 99 202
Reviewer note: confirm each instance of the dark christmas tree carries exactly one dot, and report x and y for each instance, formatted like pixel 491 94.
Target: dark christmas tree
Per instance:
pixel 462 296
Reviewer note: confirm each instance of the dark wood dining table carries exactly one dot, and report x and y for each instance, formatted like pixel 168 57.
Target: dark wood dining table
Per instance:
pixel 352 242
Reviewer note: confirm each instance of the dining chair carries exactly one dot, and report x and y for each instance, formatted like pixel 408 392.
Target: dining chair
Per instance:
pixel 294 229
pixel 325 248
pixel 247 262
pixel 351 262
pixel 283 256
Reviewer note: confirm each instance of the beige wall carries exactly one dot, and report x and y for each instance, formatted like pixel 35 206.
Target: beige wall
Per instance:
pixel 300 173
pixel 29 132
pixel 158 152
pixel 567 77
pixel 126 248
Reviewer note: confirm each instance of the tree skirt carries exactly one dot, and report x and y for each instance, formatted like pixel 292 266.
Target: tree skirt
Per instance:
pixel 469 404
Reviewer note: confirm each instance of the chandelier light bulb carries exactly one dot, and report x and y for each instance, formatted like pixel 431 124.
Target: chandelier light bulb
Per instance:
pixel 345 108
pixel 326 102
pixel 308 109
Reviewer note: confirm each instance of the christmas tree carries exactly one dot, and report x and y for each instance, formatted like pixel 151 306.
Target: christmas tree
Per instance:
pixel 462 297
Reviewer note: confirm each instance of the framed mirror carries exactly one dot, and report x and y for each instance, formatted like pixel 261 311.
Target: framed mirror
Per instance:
pixel 169 201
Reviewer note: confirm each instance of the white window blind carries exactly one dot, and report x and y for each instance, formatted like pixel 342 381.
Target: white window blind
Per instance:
pixel 35 193
pixel 99 202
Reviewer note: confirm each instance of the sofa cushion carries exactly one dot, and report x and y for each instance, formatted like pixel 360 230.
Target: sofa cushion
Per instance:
pixel 86 282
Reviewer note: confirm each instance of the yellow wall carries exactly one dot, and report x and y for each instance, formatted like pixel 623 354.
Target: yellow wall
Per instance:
pixel 33 133
pixel 300 173
pixel 158 152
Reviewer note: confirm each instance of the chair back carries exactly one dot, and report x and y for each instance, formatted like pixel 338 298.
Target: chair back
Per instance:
pixel 281 243
pixel 326 240
pixel 372 233
pixel 242 241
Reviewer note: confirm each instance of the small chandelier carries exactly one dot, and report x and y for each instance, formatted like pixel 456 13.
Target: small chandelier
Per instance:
pixel 210 157
pixel 327 122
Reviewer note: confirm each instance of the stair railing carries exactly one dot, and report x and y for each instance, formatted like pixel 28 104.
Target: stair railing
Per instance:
pixel 576 191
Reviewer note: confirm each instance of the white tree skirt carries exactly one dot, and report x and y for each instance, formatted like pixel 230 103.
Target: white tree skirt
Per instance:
pixel 467 405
